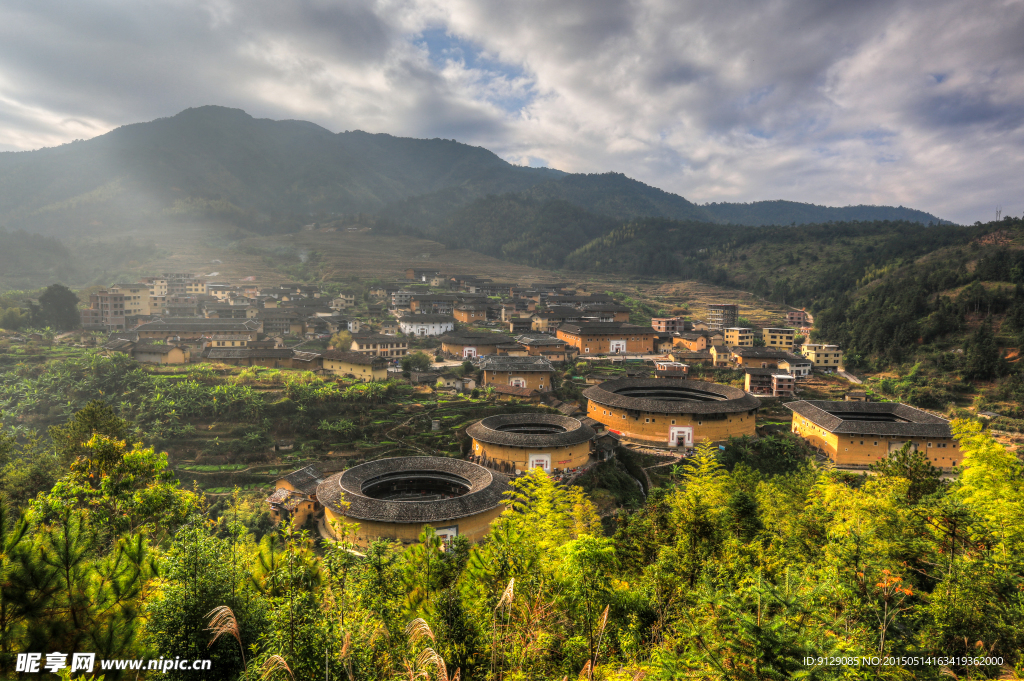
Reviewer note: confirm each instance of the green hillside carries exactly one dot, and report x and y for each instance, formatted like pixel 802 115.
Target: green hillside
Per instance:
pixel 213 161
pixel 759 213
pixel 532 232
pixel 616 196
pixel 613 195
pixel 274 176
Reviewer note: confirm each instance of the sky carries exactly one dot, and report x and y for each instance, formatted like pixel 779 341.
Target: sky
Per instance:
pixel 837 102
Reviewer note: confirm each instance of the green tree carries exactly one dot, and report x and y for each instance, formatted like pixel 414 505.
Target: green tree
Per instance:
pixel 128 488
pixel 913 465
pixel 199 573
pixel 15 602
pixel 342 341
pixel 417 361
pixel 586 568
pixel 97 417
pixel 58 307
pixel 981 354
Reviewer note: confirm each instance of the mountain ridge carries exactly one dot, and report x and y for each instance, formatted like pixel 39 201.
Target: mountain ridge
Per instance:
pixel 214 162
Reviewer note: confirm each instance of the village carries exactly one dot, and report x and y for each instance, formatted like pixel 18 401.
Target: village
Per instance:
pixel 571 380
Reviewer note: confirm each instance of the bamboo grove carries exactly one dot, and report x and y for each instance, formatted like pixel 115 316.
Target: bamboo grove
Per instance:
pixel 734 570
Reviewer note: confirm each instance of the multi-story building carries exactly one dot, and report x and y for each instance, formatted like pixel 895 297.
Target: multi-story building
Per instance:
pixel 401 298
pixel 426 324
pixel 739 337
pixel 282 322
pixel 343 301
pixel 722 315
pixel 380 345
pixel 359 365
pixel 177 305
pixel 670 324
pixel 184 284
pixel 157 285
pixel 691 341
pixel 523 372
pixel 432 303
pixel 796 366
pixel 823 357
pixel 543 345
pixel 221 291
pixel 858 434
pixel 136 298
pixel 605 312
pixel 797 318
pixel 778 338
pixel 744 357
pixel 106 311
pixel 608 338
pixel 222 340
pixel 546 321
pixel 471 312
pixel 768 382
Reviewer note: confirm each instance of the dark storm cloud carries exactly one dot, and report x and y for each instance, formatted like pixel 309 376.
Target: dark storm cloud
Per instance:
pixel 907 102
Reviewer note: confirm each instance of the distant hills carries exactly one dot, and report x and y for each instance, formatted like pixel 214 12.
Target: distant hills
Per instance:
pixel 264 175
pixel 792 213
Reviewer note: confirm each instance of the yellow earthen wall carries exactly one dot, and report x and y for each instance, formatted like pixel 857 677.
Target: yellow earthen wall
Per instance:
pixel 601 345
pixel 457 348
pixel 848 451
pixel 697 345
pixel 473 527
pixel 361 371
pixel 657 428
pixel 535 380
pixel 572 456
pixel 466 316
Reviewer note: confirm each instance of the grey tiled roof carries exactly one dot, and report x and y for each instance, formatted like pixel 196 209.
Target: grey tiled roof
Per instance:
pixel 306 479
pixel 199 324
pixel 225 353
pixel 427 318
pixel 762 353
pixel 507 363
pixel 486 490
pixel 304 356
pixel 827 415
pixel 353 357
pixel 539 339
pixel 733 400
pixel 489 430
pixel 119 345
pixel 605 328
pixel 475 338
pixel 270 353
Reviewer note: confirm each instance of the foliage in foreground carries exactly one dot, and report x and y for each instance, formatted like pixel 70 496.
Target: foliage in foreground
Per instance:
pixel 728 573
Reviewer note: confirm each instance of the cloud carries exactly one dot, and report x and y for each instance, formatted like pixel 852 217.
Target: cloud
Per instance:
pixel 908 102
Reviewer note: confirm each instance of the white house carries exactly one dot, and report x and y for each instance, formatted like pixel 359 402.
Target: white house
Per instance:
pixel 426 324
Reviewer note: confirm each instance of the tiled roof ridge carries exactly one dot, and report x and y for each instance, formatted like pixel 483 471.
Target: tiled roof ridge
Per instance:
pixel 487 430
pixel 736 401
pixel 486 491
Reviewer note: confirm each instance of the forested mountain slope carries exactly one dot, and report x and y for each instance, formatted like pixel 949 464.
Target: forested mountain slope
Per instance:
pixel 264 175
pixel 793 213
pixel 213 160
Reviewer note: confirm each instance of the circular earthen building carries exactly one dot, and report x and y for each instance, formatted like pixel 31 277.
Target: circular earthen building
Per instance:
pixel 518 442
pixel 395 498
pixel 675 412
